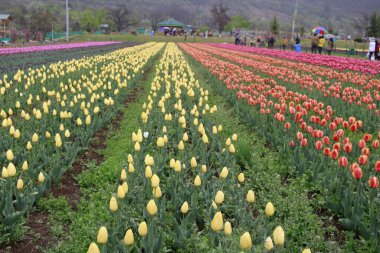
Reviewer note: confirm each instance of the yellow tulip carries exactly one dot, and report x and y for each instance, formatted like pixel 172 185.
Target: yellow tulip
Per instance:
pixel 143 229
pixel 185 137
pixel 177 166
pixel 214 130
pixel 204 168
pixel 204 138
pixel 172 163
pixel 268 244
pixel 181 145
pixel 241 178
pixel 11 170
pixel 41 178
pixel 120 192
pixel 102 235
pixel 164 130
pixel 20 184
pixel 232 149
pixel 279 236
pixel 35 138
pixel 185 207
pixel 29 146
pixel 131 168
pixel 151 207
pixel 250 196
pixel 155 180
pixel 88 120
pixel 228 142
pixel 234 137
pixel 58 140
pixel 137 146
pixel 197 181
pixel 4 173
pixel 220 128
pixel 123 175
pixel 129 238
pixel 160 142
pixel 93 248
pixel 217 222
pixel 307 250
pixel 130 158
pixel 149 161
pixel 113 204
pixel 148 172
pixel 47 135
pixel 219 197
pixel 25 166
pixel 79 122
pixel 227 228
pixel 269 209
pixel 17 134
pixel 193 162
pixel 157 193
pixel 67 133
pixel 125 187
pixel 9 155
pixel 245 241
pixel 224 173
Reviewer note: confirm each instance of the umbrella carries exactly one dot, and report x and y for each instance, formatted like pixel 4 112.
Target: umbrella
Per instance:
pixel 320 30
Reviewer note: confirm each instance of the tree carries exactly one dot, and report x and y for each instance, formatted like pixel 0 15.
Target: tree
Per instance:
pixel 219 16
pixel 90 20
pixel 155 16
pixel 302 31
pixel 274 26
pixel 238 22
pixel 120 16
pixel 373 26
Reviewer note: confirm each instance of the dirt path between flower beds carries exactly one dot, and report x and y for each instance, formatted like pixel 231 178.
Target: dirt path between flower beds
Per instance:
pixel 39 236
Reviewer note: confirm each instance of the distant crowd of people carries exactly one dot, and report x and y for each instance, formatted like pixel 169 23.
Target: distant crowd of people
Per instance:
pixel 318 42
pixel 374 49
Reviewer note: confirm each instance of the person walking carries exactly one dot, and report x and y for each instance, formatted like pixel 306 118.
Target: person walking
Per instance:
pixel 284 42
pixel 377 47
pixel 372 48
pixel 321 44
pixel 314 43
pixel 298 40
pixel 330 46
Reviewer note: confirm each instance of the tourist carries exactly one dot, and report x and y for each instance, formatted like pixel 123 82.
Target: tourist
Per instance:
pixel 372 48
pixel 298 40
pixel 284 42
pixel 330 46
pixel 271 42
pixel 377 56
pixel 314 43
pixel 321 43
pixel 258 42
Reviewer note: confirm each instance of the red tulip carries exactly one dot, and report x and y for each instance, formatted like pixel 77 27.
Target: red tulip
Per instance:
pixel 304 142
pixel 334 154
pixel 287 125
pixel 326 151
pixel 318 145
pixel 292 144
pixel 326 140
pixel 343 161
pixel 365 151
pixel 363 159
pixel 357 173
pixel 361 144
pixel 347 147
pixel 377 166
pixel 367 137
pixel 375 144
pixel 373 182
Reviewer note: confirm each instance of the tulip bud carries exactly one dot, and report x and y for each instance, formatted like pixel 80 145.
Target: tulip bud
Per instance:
pixel 11 170
pixel 279 236
pixel 29 146
pixel 241 178
pixel 373 182
pixel 131 168
pixel 185 207
pixel 93 248
pixel 120 192
pixel 217 222
pixel 143 229
pixel 157 193
pixel 219 197
pixel 130 158
pixel 20 184
pixel 41 178
pixel 177 166
pixel 151 207
pixel 113 204
pixel 250 196
pixel 306 250
pixel 193 162
pixel 137 146
pixel 4 173
pixel 35 138
pixel 67 133
pixel 204 168
pixel 129 238
pixel 224 173
pixel 25 166
pixel 220 128
pixel 228 142
pixel 227 228
pixel 160 142
pixel 245 241
pixel 79 122
pixel 268 244
pixel 232 149
pixel 17 134
pixel 269 209
pixel 102 235
pixel 181 145
pixel 123 175
pixel 214 130
pixel 125 187
pixel 155 180
pixel 204 138
pixel 47 135
pixel 58 141
pixel 234 137
pixel 9 155
pixel 148 172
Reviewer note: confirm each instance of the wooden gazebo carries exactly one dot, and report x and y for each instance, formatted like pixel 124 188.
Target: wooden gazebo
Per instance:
pixel 5 25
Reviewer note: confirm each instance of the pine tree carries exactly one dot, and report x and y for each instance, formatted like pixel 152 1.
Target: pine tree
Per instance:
pixel 373 29
pixel 275 26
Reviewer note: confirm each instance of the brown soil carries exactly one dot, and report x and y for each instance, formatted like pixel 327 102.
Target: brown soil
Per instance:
pixel 330 219
pixel 39 236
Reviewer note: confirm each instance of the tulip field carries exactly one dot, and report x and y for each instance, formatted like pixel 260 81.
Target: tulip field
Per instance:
pixel 225 149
